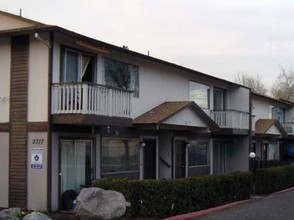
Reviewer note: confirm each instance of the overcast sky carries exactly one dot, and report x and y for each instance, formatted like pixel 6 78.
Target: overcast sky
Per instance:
pixel 218 37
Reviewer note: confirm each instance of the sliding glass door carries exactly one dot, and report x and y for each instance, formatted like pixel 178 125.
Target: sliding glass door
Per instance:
pixel 75 164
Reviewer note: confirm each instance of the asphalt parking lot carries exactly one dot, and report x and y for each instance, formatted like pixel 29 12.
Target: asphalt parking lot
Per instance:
pixel 276 206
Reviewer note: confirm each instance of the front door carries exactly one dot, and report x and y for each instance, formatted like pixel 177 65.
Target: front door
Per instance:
pixel 75 168
pixel 149 170
pixel 180 158
pixel 219 156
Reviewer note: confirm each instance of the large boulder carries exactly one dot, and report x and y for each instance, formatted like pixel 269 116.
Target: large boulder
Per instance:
pixel 96 203
pixel 36 216
pixel 10 214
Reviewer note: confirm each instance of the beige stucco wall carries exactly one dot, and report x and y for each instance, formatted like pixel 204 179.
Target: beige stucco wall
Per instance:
pixel 7 22
pixel 38 80
pixel 4 79
pixel 4 171
pixel 37 178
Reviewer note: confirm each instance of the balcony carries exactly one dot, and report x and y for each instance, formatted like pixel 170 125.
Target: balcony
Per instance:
pixel 90 99
pixel 289 127
pixel 231 119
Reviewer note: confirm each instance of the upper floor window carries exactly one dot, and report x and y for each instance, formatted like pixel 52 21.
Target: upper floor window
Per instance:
pixel 219 99
pixel 77 66
pixel 278 113
pixel 199 93
pixel 122 75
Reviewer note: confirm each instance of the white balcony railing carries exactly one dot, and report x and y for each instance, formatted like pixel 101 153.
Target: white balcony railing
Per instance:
pixel 231 119
pixel 83 98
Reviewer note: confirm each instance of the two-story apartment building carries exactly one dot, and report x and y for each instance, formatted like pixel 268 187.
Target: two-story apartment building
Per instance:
pixel 273 133
pixel 74 109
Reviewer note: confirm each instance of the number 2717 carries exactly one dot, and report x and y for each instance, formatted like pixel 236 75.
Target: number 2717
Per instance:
pixel 38 141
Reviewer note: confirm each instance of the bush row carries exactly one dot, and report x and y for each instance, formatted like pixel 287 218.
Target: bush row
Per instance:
pixel 164 198
pixel 273 179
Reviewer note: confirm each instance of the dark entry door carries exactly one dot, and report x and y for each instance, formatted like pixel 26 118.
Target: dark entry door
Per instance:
pixel 180 159
pixel 149 159
pixel 219 157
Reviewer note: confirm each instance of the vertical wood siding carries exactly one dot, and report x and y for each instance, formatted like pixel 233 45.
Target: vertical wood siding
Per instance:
pixel 18 122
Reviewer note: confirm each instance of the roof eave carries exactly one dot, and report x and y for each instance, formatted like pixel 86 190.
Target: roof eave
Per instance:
pixel 110 46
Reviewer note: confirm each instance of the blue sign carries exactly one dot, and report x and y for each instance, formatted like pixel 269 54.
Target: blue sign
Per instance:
pixel 36 158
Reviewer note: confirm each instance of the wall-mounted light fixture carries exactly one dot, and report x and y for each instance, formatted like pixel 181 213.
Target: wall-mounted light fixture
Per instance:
pixel 42 40
pixel 188 144
pixel 142 144
pixel 108 129
pixel 91 47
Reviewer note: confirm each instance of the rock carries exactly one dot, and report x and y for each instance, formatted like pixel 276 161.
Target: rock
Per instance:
pixel 10 214
pixel 36 216
pixel 96 203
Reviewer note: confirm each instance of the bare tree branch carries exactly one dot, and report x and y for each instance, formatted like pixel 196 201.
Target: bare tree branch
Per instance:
pixel 284 86
pixel 253 82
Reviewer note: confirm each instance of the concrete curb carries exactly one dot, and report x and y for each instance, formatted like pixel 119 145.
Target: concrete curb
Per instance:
pixel 219 208
pixel 284 190
pixel 206 211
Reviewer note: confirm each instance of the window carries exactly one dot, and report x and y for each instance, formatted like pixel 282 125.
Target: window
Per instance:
pixel 119 154
pixel 121 75
pixel 273 151
pixel 77 66
pixel 219 99
pixel 198 153
pixel 199 93
pixel 279 114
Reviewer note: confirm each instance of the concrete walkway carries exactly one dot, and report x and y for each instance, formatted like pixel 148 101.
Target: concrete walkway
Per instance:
pixel 275 206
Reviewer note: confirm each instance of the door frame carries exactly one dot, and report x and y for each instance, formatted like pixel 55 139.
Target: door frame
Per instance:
pixel 93 160
pixel 141 156
pixel 174 156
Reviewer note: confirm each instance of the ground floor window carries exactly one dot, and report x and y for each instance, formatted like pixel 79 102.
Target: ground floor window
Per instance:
pixel 273 151
pixel 119 154
pixel 198 153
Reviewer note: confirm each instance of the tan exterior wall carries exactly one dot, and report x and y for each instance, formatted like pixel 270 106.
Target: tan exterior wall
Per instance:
pixel 37 171
pixel 5 55
pixel 7 22
pixel 4 171
pixel 38 80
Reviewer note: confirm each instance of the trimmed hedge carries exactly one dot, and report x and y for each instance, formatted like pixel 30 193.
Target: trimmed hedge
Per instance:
pixel 273 179
pixel 164 198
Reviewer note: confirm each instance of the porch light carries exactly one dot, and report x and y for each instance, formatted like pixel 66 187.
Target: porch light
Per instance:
pixel 91 47
pixel 188 144
pixel 142 144
pixel 252 155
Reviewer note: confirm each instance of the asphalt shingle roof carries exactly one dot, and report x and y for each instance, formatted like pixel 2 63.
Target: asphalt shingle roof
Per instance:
pixel 263 125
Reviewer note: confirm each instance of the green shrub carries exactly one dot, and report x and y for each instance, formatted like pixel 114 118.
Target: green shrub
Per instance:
pixel 273 179
pixel 164 198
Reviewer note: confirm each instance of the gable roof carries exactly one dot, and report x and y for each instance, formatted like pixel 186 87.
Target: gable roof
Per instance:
pixel 263 126
pixel 167 110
